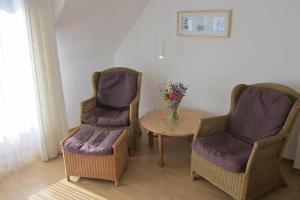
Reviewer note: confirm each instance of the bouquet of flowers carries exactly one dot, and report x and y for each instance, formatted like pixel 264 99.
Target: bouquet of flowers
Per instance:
pixel 172 95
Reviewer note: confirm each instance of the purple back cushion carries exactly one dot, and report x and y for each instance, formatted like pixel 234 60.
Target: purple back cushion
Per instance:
pixel 116 89
pixel 259 113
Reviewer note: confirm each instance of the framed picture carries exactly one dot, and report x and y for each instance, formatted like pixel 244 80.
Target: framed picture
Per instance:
pixel 209 23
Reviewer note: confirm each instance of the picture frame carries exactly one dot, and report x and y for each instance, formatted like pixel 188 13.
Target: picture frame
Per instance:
pixel 204 23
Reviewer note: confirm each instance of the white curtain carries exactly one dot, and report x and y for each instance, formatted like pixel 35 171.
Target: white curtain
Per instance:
pixel 19 138
pixel 52 113
pixel 32 112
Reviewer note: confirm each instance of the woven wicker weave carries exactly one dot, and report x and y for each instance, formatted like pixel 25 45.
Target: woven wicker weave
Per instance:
pixel 134 128
pixel 263 168
pixel 108 167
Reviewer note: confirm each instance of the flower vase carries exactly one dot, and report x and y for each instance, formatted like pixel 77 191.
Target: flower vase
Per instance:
pixel 174 115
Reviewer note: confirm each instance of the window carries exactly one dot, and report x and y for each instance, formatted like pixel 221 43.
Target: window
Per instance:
pixel 18 117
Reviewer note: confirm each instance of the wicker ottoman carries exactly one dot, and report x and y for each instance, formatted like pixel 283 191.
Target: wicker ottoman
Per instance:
pixel 84 159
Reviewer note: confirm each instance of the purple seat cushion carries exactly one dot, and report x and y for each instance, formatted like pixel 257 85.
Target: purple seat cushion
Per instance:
pixel 116 89
pixel 106 117
pixel 92 141
pixel 259 113
pixel 75 142
pixel 224 150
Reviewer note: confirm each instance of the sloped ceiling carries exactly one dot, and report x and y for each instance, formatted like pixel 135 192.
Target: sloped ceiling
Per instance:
pixel 58 5
pixel 95 27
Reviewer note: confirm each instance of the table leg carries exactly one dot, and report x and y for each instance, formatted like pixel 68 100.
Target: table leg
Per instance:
pixel 150 134
pixel 161 150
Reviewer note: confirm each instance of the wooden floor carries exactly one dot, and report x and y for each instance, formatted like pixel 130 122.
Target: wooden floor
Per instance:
pixel 143 179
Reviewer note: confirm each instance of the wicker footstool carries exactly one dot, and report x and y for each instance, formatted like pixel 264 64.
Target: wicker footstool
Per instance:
pixel 95 153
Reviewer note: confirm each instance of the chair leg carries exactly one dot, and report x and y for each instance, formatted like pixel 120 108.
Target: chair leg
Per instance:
pixel 116 182
pixel 193 175
pixel 130 152
pixel 283 183
pixel 190 139
pixel 68 178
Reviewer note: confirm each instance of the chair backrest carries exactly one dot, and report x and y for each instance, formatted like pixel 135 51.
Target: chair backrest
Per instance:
pixel 116 87
pixel 262 110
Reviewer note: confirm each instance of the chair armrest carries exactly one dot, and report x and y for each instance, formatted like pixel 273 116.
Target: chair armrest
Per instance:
pixel 133 110
pixel 270 140
pixel 212 125
pixel 87 105
pixel 71 133
pixel 266 150
pixel 122 139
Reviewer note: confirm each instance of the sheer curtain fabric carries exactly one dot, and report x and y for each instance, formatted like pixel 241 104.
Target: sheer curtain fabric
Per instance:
pixel 53 122
pixel 32 111
pixel 19 133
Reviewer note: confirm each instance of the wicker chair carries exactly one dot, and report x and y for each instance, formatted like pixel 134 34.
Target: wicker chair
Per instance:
pixel 262 171
pixel 133 127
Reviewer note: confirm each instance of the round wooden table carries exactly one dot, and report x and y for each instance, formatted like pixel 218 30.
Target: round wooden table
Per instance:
pixel 158 122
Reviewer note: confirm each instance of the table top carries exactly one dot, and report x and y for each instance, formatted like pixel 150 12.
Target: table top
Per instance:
pixel 158 122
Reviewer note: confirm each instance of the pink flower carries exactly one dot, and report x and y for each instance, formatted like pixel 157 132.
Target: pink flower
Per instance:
pixel 177 96
pixel 171 95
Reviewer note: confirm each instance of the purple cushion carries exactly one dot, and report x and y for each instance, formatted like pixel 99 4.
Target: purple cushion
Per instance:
pixel 92 141
pixel 224 150
pixel 116 89
pixel 105 117
pixel 75 142
pixel 259 113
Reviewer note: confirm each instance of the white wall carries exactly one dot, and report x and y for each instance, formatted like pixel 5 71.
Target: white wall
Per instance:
pixel 264 47
pixel 77 83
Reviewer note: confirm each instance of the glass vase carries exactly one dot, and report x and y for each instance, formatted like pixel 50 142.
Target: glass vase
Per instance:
pixel 174 115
